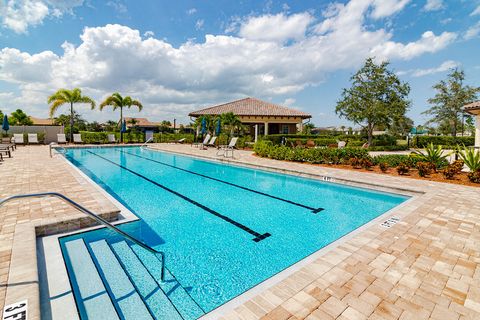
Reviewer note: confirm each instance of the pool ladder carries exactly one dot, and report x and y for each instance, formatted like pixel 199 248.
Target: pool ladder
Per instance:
pixel 158 254
pixel 55 146
pixel 145 143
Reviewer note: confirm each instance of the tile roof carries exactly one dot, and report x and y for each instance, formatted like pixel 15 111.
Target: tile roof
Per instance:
pixel 41 122
pixel 251 107
pixel 141 122
pixel 472 106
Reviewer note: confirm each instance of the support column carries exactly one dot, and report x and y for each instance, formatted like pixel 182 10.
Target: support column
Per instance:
pixel 266 128
pixel 300 127
pixel 256 132
pixel 477 130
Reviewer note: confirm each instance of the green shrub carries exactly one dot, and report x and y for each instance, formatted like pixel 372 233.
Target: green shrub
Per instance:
pixel 383 166
pixel 389 148
pixel 434 155
pixel 452 169
pixel 313 155
pixel 94 137
pixel 171 137
pixel 384 140
pixel 393 160
pixel 474 176
pixel 471 158
pixel 446 141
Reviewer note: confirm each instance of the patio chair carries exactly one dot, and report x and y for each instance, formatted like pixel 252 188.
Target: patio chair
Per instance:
pixel 112 139
pixel 9 142
pixel 224 150
pixel 341 144
pixel 18 138
pixel 32 138
pixel 212 142
pixel 205 141
pixel 77 138
pixel 180 140
pixel 4 148
pixel 61 138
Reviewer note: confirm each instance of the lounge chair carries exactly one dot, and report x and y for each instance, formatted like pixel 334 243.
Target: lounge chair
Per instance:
pixel 5 149
pixel 18 138
pixel 224 150
pixel 32 138
pixel 180 140
pixel 61 138
pixel 9 142
pixel 77 138
pixel 111 138
pixel 205 141
pixel 341 144
pixel 212 142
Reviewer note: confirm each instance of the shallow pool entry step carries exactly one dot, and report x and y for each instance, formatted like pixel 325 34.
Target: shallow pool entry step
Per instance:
pixel 115 280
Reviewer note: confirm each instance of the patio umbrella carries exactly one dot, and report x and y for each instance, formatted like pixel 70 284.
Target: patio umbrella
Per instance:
pixel 204 126
pixel 123 129
pixel 219 127
pixel 5 124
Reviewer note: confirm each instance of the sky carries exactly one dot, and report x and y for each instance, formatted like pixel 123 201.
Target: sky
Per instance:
pixel 179 56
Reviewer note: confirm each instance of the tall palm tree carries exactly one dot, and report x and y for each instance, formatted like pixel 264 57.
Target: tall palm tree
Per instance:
pixel 117 101
pixel 231 121
pixel 64 96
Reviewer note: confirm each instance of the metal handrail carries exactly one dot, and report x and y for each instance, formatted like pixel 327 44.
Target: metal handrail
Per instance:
pixel 97 218
pixel 145 143
pixel 56 146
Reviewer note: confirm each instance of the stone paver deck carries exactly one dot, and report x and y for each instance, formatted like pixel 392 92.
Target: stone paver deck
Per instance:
pixel 425 266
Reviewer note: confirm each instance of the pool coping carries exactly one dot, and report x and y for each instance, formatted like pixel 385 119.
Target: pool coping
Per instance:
pixel 53 257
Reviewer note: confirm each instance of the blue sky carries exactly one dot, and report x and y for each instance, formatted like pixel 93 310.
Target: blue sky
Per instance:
pixel 177 56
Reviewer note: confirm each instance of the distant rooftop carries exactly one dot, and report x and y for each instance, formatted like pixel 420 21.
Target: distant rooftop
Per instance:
pixel 41 122
pixel 251 107
pixel 141 122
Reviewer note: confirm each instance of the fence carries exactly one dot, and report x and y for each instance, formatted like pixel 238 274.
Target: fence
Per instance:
pixel 50 132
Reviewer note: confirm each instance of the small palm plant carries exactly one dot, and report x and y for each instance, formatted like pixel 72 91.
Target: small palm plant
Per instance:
pixel 64 96
pixel 118 102
pixel 434 155
pixel 471 158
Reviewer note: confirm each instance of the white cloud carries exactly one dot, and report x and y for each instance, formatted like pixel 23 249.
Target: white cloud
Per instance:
pixel 429 42
pixel 117 6
pixel 386 8
pixel 476 12
pixel 191 11
pixel 289 102
pixel 199 24
pixel 149 34
pixel 279 27
pixel 445 66
pixel 19 15
pixel 433 5
pixel 472 32
pixel 174 80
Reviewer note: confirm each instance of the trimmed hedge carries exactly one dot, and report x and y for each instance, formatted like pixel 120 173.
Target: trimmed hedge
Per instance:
pixel 444 141
pixel 171 137
pixel 393 160
pixel 389 148
pixel 315 155
pixel 102 137
pixel 325 140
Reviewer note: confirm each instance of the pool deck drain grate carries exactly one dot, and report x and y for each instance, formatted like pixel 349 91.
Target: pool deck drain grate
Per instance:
pixel 258 236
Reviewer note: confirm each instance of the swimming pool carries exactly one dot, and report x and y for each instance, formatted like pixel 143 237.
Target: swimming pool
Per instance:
pixel 223 228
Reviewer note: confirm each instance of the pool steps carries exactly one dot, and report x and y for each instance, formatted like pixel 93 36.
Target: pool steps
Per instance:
pixel 117 280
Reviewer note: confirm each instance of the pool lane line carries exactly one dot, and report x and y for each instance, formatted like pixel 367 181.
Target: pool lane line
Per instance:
pixel 314 210
pixel 258 236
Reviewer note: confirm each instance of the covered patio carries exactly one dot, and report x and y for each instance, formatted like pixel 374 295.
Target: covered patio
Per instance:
pixel 474 109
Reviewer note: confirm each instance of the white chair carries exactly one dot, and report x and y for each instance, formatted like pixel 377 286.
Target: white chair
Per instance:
pixel 224 150
pixel 32 138
pixel 212 142
pixel 18 138
pixel 112 139
pixel 77 138
pixel 205 141
pixel 341 144
pixel 61 138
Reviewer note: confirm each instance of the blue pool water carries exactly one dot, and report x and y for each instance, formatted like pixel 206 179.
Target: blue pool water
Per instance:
pixel 223 229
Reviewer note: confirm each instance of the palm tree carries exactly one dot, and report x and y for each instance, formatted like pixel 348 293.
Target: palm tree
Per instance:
pixel 117 101
pixel 231 121
pixel 64 96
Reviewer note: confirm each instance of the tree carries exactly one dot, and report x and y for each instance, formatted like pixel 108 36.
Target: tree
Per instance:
pixel 65 96
pixel 401 126
pixel 376 97
pixel 230 122
pixel 447 104
pixel 19 118
pixel 118 102
pixel 165 126
pixel 307 128
pixel 110 126
pixel 65 119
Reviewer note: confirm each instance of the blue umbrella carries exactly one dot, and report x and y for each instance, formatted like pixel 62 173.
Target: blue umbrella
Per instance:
pixel 219 127
pixel 5 124
pixel 204 126
pixel 123 129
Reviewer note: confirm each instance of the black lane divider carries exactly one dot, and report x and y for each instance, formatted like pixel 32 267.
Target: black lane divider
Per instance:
pixel 314 210
pixel 258 236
